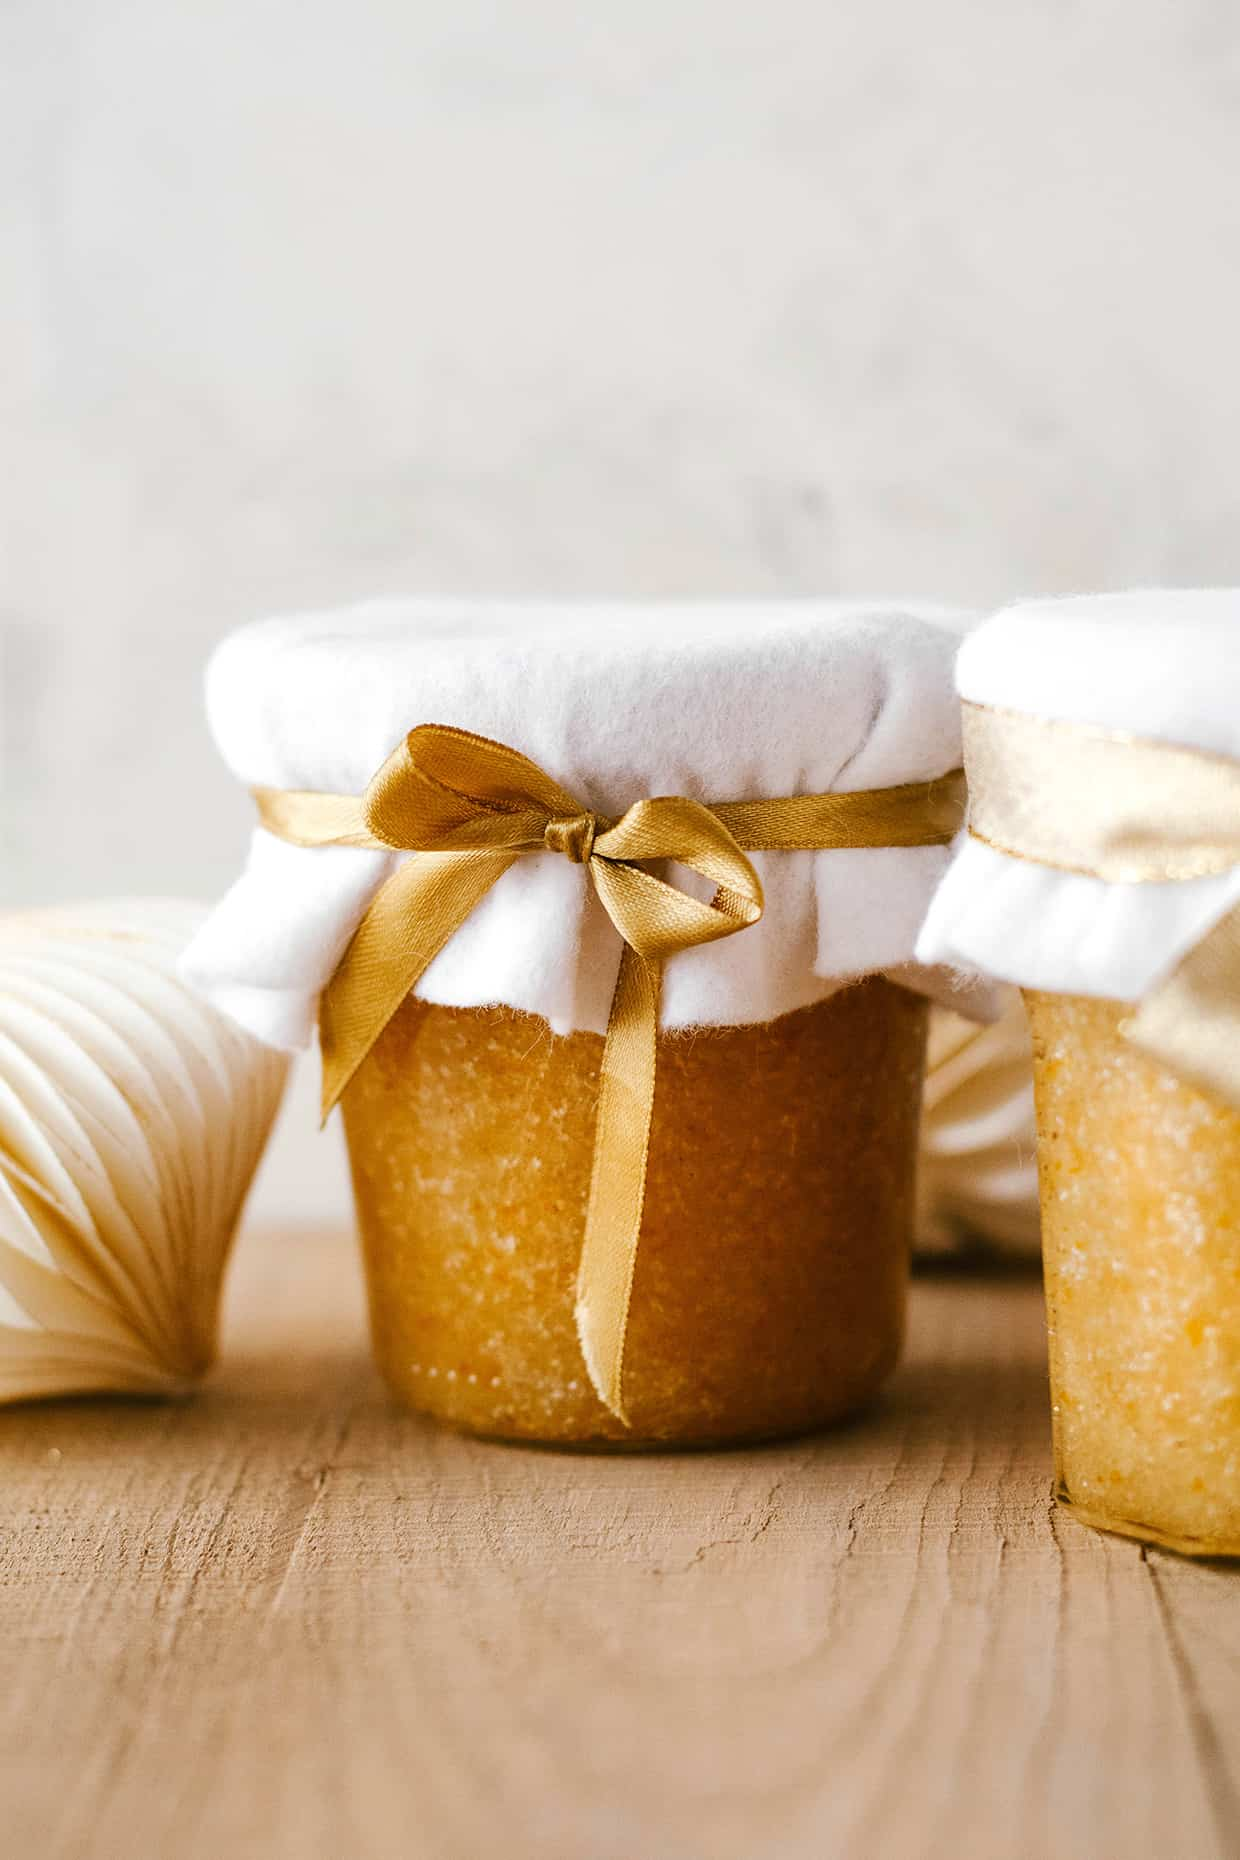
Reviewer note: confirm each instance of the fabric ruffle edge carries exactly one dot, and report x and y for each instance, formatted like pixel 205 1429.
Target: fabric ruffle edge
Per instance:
pixel 541 943
pixel 1062 932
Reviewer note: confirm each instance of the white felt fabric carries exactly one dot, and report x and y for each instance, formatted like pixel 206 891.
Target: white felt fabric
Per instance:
pixel 1157 663
pixel 720 702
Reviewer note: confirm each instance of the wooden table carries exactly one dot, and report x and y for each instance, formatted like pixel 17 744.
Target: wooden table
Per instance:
pixel 287 1620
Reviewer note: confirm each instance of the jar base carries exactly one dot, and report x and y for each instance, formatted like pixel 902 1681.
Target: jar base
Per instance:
pixel 1147 1534
pixel 732 1441
pixel 768 1299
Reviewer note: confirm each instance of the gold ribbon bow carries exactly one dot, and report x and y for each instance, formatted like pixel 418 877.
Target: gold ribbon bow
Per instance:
pixel 1127 810
pixel 467 808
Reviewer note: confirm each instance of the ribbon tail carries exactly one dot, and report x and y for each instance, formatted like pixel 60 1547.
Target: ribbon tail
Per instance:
pixel 1191 1021
pixel 618 1178
pixel 411 917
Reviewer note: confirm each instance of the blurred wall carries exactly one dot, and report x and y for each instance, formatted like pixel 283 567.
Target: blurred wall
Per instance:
pixel 306 300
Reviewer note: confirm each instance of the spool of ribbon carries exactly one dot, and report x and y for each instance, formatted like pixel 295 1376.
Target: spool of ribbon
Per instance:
pixel 466 808
pixel 1131 811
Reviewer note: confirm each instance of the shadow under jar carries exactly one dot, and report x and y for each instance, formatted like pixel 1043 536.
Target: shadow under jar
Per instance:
pixel 770 1283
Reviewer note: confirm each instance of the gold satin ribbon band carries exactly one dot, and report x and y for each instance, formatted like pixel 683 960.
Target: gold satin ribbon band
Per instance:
pixel 1128 810
pixel 467 808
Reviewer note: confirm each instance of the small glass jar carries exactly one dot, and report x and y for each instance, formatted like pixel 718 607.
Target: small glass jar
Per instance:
pixel 770 1286
pixel 1140 1183
pixel 1099 873
pixel 774 1230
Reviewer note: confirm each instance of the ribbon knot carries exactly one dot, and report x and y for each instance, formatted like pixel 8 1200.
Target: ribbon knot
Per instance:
pixel 466 808
pixel 573 836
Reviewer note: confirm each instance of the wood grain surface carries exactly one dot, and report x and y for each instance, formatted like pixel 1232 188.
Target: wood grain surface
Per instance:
pixel 287 1619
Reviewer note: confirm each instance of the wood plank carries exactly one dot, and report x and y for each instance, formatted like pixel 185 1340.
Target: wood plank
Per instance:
pixel 289 1619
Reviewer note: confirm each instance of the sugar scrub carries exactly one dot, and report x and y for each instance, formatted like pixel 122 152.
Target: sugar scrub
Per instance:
pixel 769 1293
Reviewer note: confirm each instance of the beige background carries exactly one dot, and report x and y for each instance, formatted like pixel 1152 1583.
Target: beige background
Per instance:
pixel 305 300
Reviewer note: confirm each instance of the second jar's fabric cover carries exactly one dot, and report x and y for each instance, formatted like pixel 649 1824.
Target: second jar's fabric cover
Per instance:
pixel 1162 664
pixel 616 702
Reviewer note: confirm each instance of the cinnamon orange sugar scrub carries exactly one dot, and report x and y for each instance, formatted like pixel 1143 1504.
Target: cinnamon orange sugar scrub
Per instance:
pixel 1102 872
pixel 606 915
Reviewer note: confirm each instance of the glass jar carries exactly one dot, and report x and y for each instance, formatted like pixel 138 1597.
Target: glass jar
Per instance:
pixel 698 824
pixel 1140 1187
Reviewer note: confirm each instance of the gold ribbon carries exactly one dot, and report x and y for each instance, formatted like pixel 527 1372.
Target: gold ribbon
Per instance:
pixel 1128 810
pixel 467 808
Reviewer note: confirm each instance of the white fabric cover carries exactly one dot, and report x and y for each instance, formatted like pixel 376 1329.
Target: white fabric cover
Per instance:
pixel 1162 663
pixel 719 702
